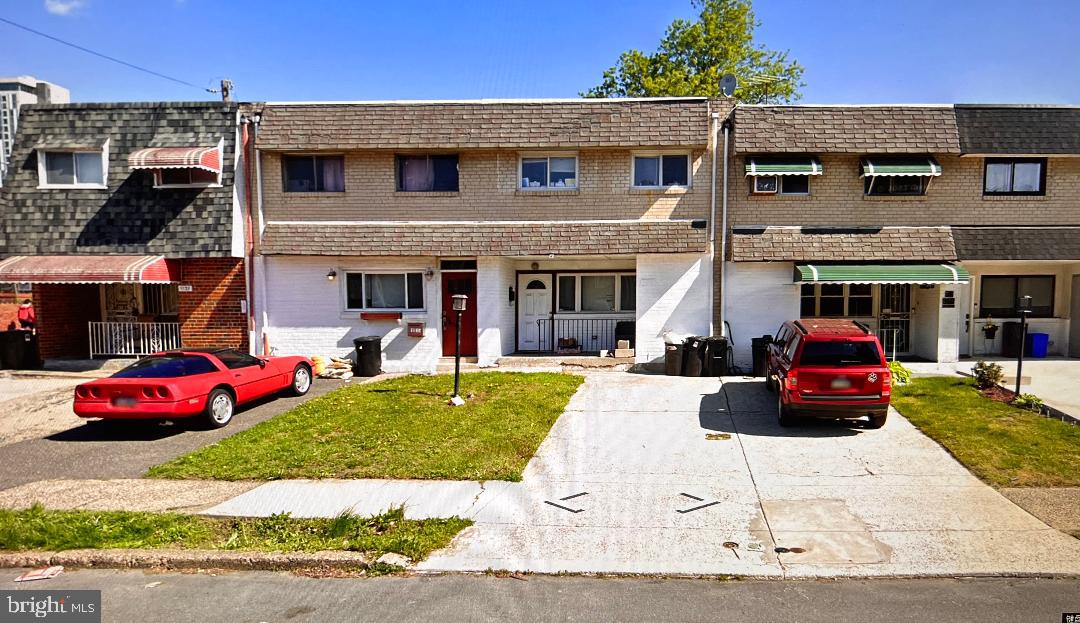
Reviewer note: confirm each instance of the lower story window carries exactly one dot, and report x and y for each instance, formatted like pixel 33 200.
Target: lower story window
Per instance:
pixel 1000 295
pixel 836 300
pixel 384 291
pixel 597 293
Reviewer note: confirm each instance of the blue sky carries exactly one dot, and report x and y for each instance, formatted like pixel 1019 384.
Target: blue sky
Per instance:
pixel 853 51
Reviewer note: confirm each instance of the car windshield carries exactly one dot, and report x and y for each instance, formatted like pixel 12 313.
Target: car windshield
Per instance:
pixel 840 354
pixel 166 366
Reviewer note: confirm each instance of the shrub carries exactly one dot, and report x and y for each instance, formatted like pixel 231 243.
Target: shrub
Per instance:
pixel 1031 402
pixel 987 375
pixel 900 374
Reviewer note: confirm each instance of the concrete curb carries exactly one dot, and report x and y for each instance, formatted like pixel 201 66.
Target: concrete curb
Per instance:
pixel 188 559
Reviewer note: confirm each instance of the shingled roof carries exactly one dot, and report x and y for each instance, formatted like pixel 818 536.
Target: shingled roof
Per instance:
pixel 1017 243
pixel 808 244
pixel 1018 129
pixel 483 239
pixel 486 124
pixel 846 129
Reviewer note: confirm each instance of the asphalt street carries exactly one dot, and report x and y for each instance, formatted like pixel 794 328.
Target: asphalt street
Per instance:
pixel 101 450
pixel 257 596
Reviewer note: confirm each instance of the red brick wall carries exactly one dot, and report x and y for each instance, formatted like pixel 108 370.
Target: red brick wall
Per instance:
pixel 62 313
pixel 210 315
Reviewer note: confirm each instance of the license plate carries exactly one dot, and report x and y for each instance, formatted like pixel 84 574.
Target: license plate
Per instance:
pixel 841 383
pixel 124 401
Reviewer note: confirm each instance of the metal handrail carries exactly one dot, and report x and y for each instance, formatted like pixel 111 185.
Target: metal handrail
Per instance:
pixel 591 334
pixel 132 339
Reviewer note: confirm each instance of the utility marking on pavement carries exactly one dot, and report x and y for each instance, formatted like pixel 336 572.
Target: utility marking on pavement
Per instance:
pixel 569 497
pixel 693 497
pixel 697 508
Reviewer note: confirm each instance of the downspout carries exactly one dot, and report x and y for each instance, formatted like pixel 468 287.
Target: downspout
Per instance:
pixel 714 120
pixel 249 241
pixel 264 348
pixel 723 233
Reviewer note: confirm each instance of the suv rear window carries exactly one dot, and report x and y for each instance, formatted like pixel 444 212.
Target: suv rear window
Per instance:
pixel 840 354
pixel 166 367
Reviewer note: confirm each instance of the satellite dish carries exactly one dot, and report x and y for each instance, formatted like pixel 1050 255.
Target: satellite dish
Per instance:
pixel 727 84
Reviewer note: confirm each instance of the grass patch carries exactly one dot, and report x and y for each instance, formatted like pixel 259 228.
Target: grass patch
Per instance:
pixel 1004 445
pixel 39 529
pixel 397 428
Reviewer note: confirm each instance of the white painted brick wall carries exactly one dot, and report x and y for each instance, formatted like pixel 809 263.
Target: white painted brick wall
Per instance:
pixel 305 312
pixel 673 292
pixel 495 312
pixel 760 297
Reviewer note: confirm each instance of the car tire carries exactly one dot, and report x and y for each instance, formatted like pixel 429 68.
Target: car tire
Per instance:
pixel 220 408
pixel 783 414
pixel 301 380
pixel 877 421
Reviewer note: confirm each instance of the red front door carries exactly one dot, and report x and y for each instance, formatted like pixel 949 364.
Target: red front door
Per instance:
pixel 459 283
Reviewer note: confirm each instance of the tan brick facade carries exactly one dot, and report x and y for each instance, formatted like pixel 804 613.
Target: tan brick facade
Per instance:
pixel 954 198
pixel 489 191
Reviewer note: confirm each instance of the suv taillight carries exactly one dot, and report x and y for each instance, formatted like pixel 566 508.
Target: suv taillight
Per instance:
pixel 886 383
pixel 791 381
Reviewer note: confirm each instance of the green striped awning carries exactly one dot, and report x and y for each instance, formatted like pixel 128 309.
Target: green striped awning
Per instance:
pixel 783 166
pixel 881 273
pixel 891 166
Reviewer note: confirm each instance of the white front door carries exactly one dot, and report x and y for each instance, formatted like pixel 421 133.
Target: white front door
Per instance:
pixel 534 312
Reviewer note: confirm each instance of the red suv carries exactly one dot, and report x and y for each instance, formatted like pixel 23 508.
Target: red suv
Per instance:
pixel 828 369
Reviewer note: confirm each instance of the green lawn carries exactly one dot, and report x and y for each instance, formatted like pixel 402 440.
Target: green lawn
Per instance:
pixel 397 428
pixel 1004 445
pixel 38 529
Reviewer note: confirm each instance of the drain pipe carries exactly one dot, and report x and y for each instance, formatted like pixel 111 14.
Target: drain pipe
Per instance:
pixel 723 233
pixel 715 132
pixel 259 261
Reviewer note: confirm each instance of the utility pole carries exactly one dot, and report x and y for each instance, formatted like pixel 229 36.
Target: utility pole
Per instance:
pixel 226 90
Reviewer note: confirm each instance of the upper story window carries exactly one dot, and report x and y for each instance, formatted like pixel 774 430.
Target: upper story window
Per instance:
pixel 313 174
pixel 73 168
pixel 1015 176
pixel 546 172
pixel 384 291
pixel 895 176
pixel 165 178
pixel 180 167
pixel 427 173
pixel 782 176
pixel 661 171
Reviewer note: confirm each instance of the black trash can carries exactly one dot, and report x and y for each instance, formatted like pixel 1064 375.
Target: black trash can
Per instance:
pixel 693 356
pixel 10 350
pixel 31 354
pixel 759 348
pixel 673 359
pixel 1011 339
pixel 368 355
pixel 716 356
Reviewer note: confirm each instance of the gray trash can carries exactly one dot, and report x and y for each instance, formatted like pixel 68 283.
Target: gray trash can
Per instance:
pixel 759 349
pixel 673 359
pixel 368 355
pixel 693 356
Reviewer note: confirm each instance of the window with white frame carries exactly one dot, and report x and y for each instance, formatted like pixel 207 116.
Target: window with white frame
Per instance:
pixel 661 171
pixel 836 300
pixel 597 292
pixel 73 168
pixel 549 172
pixel 384 291
pixel 781 184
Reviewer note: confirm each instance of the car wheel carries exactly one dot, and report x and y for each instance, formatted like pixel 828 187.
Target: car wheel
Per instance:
pixel 219 408
pixel 783 414
pixel 877 421
pixel 301 380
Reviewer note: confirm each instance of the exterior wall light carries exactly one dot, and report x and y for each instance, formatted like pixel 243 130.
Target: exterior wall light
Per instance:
pixel 330 276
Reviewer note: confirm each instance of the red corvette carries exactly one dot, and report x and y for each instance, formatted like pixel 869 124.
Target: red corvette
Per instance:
pixel 188 383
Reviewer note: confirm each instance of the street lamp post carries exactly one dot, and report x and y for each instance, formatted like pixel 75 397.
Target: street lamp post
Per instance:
pixel 460 300
pixel 1024 309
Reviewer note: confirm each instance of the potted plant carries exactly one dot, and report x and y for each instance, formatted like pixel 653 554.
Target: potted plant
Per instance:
pixel 990 328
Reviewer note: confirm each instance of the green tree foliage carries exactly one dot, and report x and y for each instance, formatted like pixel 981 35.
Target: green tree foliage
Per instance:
pixel 694 55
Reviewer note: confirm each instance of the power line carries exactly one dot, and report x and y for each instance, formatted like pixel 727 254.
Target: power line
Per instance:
pixel 99 54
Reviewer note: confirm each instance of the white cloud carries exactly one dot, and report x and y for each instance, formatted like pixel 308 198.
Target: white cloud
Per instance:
pixel 63 7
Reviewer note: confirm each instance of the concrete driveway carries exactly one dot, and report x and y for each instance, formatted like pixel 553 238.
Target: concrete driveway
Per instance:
pixel 653 474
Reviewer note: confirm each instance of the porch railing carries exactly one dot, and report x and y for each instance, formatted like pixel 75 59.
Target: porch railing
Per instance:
pixel 590 334
pixel 132 339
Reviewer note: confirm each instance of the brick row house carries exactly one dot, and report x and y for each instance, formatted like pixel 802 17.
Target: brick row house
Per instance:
pixel 925 222
pixel 129 221
pixel 569 224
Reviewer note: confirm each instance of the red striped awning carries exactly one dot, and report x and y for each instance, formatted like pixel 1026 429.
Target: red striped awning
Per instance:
pixel 89 269
pixel 206 158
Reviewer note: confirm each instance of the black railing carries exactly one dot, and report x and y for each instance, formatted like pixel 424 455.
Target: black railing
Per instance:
pixel 585 335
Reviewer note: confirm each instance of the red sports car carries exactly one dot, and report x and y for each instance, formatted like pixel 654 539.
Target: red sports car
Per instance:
pixel 187 383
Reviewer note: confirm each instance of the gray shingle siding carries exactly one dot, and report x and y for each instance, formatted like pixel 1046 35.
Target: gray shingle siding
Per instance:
pixel 1017 243
pixel 130 217
pixel 1018 129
